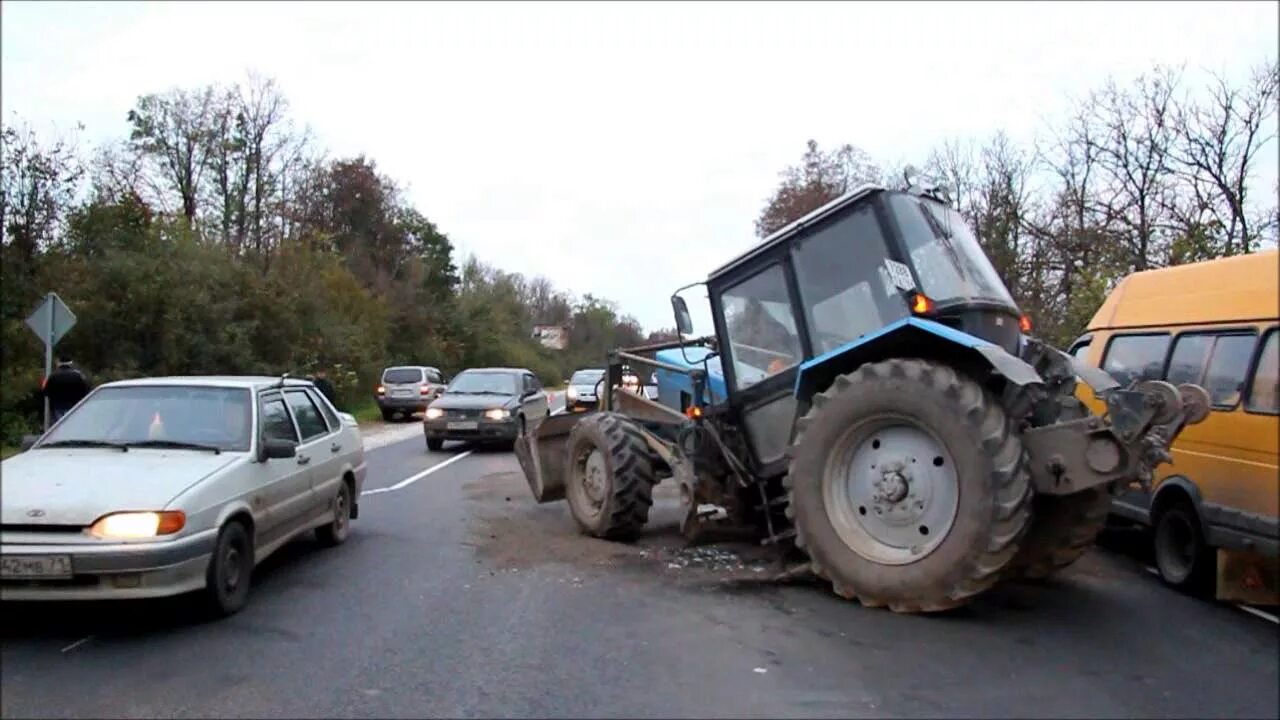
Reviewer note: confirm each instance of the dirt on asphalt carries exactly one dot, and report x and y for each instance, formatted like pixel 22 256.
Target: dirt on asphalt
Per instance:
pixel 511 531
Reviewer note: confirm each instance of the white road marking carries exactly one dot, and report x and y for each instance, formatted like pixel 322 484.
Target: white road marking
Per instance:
pixel 1247 608
pixel 77 644
pixel 1262 614
pixel 415 478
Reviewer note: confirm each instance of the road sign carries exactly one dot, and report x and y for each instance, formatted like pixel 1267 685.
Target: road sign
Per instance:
pixel 50 321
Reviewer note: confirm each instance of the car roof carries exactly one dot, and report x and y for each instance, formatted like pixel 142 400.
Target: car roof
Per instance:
pixel 497 370
pixel 410 367
pixel 248 382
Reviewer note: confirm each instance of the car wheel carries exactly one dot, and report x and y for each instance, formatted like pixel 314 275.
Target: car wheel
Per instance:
pixel 388 416
pixel 435 444
pixel 230 571
pixel 336 532
pixel 1183 558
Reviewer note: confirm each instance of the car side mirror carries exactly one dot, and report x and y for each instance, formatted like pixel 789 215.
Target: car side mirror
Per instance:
pixel 276 449
pixel 29 441
pixel 684 323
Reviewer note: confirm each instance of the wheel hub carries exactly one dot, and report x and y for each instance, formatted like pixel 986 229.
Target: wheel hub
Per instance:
pixel 594 478
pixel 892 492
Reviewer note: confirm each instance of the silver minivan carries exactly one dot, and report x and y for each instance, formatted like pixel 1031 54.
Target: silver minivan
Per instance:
pixel 408 389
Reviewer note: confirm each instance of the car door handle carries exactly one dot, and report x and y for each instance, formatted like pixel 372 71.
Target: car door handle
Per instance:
pixel 303 459
pixel 335 447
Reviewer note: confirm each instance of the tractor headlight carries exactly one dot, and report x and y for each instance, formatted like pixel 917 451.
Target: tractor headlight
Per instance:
pixel 497 414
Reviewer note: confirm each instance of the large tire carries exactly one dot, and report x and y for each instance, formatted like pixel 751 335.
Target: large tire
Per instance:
pixel 1063 527
pixel 1183 558
pixel 978 503
pixel 230 571
pixel 610 477
pixel 338 529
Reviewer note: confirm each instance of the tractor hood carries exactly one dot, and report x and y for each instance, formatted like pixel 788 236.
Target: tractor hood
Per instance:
pixel 673 381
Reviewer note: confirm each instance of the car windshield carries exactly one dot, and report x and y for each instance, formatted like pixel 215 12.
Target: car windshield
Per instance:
pixel 586 377
pixel 167 415
pixel 398 376
pixel 949 261
pixel 483 383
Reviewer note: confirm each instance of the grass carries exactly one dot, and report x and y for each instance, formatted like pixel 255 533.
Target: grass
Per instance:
pixel 7 452
pixel 367 412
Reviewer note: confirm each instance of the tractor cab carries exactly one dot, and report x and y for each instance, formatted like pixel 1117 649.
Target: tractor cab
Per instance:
pixel 851 272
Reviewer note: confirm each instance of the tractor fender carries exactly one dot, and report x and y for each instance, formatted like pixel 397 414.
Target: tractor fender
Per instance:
pixel 914 337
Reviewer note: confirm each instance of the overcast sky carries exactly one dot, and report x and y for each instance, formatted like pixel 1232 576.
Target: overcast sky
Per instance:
pixel 620 149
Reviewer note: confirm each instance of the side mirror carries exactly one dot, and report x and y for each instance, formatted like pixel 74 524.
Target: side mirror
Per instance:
pixel 274 449
pixel 29 441
pixel 684 323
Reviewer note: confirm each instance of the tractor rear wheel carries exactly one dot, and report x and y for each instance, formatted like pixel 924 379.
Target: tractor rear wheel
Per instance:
pixel 610 477
pixel 908 486
pixel 1063 527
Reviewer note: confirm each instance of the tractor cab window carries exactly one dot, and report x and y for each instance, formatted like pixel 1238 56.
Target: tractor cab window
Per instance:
pixel 949 261
pixel 844 282
pixel 760 322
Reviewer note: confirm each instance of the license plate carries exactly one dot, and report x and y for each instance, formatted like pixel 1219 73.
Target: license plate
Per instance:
pixel 35 566
pixel 463 425
pixel 402 393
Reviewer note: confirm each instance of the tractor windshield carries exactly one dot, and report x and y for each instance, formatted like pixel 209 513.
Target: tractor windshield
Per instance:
pixel 949 262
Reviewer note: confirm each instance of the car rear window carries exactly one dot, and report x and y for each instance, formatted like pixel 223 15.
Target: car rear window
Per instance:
pixel 397 376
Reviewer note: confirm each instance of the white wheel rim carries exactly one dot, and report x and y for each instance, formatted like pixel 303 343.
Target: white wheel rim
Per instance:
pixel 890 490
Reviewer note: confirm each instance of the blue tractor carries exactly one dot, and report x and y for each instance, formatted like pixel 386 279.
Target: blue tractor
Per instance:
pixel 872 402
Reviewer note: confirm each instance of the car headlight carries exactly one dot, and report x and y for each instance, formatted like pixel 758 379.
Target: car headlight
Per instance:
pixel 434 413
pixel 497 414
pixel 138 524
pixel 571 392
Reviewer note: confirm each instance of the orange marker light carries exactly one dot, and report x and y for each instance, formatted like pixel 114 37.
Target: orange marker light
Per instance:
pixel 693 411
pixel 921 304
pixel 1024 323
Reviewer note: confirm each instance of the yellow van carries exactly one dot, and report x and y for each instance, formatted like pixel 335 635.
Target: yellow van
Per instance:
pixel 1214 510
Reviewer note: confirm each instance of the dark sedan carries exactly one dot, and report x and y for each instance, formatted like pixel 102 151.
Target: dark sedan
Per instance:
pixel 487 405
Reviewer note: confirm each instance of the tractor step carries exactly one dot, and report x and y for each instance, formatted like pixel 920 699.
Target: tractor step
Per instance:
pixel 775 539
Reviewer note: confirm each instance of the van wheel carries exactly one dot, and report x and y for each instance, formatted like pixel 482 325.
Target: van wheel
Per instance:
pixel 388 416
pixel 230 571
pixel 1183 558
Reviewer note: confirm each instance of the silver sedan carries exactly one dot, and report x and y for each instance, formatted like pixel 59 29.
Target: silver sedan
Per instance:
pixel 164 486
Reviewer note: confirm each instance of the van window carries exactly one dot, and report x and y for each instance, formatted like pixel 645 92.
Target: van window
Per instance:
pixel 1264 393
pixel 402 376
pixel 1190 356
pixel 1081 350
pixel 1227 367
pixel 1135 357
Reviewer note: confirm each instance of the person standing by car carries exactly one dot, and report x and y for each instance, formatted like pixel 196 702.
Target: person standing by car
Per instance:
pixel 64 387
pixel 325 387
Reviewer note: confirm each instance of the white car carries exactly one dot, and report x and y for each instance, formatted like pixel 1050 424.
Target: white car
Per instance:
pixel 164 486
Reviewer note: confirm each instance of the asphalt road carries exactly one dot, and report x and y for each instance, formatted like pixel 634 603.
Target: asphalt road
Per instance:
pixel 457 596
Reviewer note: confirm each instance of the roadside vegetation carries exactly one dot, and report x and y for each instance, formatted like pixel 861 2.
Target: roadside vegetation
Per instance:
pixel 216 238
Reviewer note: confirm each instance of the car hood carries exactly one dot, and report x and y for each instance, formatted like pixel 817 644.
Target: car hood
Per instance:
pixel 472 402
pixel 77 486
pixel 584 388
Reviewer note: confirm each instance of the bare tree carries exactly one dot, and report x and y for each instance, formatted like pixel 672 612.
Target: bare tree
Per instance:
pixel 1132 139
pixel 1218 142
pixel 37 187
pixel 173 129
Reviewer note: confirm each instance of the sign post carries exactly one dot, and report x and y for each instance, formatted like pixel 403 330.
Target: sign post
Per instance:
pixel 50 321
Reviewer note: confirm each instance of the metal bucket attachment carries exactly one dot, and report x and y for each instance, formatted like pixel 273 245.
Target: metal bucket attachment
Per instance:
pixel 541 452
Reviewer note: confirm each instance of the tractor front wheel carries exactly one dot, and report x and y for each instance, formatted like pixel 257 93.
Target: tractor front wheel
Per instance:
pixel 610 477
pixel 908 486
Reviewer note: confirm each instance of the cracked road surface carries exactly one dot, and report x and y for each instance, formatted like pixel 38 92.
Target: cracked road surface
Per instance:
pixel 457 596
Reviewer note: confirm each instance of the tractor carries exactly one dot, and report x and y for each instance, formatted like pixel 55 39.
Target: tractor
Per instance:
pixel 873 403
